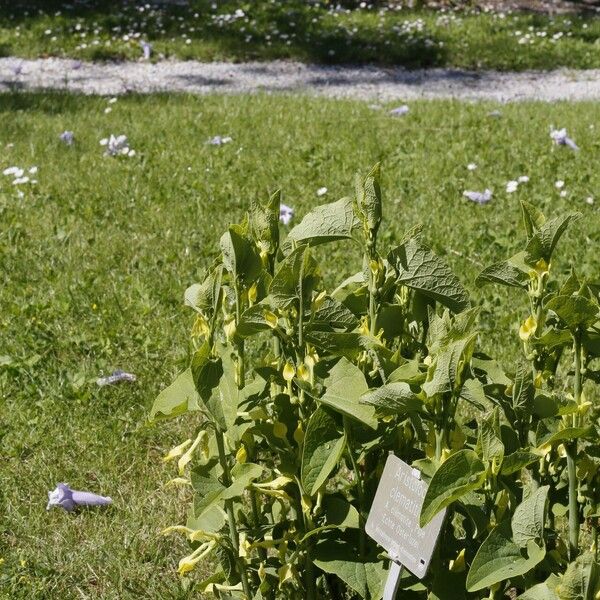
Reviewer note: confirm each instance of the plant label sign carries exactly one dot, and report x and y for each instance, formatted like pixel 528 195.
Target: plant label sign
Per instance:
pixel 394 518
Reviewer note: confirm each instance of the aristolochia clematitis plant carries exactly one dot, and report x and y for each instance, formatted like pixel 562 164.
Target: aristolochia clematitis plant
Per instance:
pixel 304 391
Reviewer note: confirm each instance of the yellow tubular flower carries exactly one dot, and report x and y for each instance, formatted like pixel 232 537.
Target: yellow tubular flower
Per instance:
pixel 299 434
pixel 280 430
pixel 458 564
pixel 252 294
pixel 178 481
pixel 202 536
pixel 310 360
pixel 288 371
pixel 527 328
pixel 364 327
pixel 241 455
pixel 178 529
pixel 187 563
pixel 285 573
pixel 275 484
pixel 194 535
pixel 200 327
pixel 303 372
pixel 318 301
pixel 177 451
pixel 545 449
pixel 244 547
pixel 229 328
pixel 187 457
pixel 271 319
pixel 541 267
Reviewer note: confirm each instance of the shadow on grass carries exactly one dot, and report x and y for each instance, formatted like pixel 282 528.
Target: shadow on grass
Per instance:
pixel 298 35
pixel 50 103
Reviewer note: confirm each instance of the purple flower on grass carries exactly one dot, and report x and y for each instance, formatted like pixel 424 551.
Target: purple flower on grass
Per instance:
pixel 115 377
pixel 286 213
pixel 219 140
pixel 69 499
pixel 400 111
pixel 479 197
pixel 67 137
pixel 560 138
pixel 146 49
pixel 117 145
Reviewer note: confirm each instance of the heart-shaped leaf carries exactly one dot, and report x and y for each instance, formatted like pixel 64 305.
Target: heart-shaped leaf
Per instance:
pixel 459 474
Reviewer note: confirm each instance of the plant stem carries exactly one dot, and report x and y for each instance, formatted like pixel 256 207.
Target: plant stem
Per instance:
pixel 311 587
pixel 595 535
pixel 539 317
pixel 262 552
pixel 439 437
pixel 372 310
pixel 370 255
pixel 233 532
pixel 571 450
pixel 301 312
pixel 309 570
pixel 577 383
pixel 359 487
pixel 573 505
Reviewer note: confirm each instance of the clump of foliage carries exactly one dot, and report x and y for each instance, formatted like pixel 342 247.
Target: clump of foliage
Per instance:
pixel 305 391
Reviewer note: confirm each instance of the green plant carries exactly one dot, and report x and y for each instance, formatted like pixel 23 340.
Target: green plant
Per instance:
pixel 304 393
pixel 548 411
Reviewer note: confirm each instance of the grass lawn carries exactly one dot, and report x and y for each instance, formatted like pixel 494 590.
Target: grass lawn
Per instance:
pixel 315 32
pixel 95 258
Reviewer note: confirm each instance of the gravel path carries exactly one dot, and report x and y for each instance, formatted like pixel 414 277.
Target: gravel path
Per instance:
pixel 368 83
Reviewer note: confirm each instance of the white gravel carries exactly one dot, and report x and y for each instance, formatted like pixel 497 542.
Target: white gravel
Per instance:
pixel 367 83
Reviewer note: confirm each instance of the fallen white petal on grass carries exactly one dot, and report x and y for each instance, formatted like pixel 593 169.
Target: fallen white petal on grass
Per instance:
pixel 471 166
pixel 478 197
pixel 400 111
pixel 512 186
pixel 321 191
pixel 16 171
pixel 146 49
pixel 218 140
pixel 560 138
pixel 559 184
pixel 67 137
pixel 117 145
pixel 64 497
pixel 116 377
pixel 523 179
